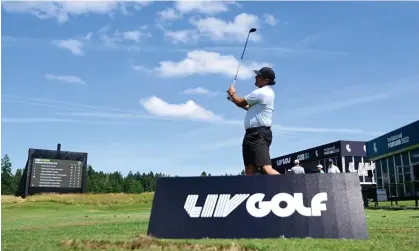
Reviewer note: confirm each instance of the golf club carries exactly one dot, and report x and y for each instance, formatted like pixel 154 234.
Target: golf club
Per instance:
pixel 244 49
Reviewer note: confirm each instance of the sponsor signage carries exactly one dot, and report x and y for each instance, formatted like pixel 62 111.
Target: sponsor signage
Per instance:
pixel 312 154
pixel 220 206
pixel 298 206
pixel 353 148
pixel 283 161
pixel 396 140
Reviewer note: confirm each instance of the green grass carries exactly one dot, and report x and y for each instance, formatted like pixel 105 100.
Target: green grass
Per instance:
pixel 119 222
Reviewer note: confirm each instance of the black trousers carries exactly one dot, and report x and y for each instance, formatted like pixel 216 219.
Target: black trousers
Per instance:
pixel 255 147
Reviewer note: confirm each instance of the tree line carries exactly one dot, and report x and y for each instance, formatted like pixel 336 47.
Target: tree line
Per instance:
pixel 97 181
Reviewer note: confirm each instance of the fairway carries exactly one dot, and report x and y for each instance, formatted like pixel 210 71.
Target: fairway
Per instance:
pixel 119 222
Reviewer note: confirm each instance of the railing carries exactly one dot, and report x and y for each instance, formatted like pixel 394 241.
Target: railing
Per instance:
pixel 396 192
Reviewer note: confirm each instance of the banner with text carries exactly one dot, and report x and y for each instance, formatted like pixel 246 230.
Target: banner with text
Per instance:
pixel 393 141
pixel 312 205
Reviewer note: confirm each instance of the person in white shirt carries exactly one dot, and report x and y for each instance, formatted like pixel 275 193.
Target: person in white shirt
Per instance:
pixel 332 168
pixel 320 168
pixel 297 169
pixel 258 121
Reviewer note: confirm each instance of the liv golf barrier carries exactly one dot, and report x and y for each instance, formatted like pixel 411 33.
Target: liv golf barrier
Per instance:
pixel 293 206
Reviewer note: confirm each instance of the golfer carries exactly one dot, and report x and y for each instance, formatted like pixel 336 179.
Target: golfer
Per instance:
pixel 258 121
pixel 297 169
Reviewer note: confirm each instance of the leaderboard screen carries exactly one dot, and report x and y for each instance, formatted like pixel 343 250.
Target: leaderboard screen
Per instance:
pixel 56 173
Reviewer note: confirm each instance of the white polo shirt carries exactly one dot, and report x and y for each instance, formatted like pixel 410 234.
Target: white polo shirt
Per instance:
pixel 261 107
pixel 333 169
pixel 297 170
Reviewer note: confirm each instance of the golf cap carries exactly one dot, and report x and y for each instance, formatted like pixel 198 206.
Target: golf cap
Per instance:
pixel 266 72
pixel 330 161
pixel 296 161
pixel 319 166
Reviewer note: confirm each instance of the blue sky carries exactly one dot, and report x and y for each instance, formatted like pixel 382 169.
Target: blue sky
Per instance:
pixel 141 86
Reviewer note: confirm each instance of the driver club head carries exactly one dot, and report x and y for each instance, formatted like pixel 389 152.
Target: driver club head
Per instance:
pixel 252 30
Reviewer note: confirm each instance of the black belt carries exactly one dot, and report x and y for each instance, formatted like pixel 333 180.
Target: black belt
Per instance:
pixel 254 129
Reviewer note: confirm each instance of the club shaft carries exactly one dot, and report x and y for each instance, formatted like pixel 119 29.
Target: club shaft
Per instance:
pixel 244 49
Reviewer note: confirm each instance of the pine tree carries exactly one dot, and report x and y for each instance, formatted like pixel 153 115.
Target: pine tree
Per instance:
pixel 16 179
pixel 7 179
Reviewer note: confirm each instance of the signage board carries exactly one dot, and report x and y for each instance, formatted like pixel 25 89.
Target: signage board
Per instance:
pixel 56 173
pixel 53 171
pixel 293 206
pixel 394 141
pixel 309 158
pixel 353 148
pixel 381 195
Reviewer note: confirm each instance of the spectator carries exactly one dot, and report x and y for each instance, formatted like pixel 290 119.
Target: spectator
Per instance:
pixel 332 168
pixel 297 169
pixel 320 168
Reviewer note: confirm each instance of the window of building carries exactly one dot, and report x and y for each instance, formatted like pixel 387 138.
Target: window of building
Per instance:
pixel 378 174
pixel 348 166
pixel 399 169
pixel 357 160
pixel 407 173
pixel 338 163
pixel 391 171
pixel 414 156
pixel 398 159
pixel 392 175
pixel 384 168
pixel 386 179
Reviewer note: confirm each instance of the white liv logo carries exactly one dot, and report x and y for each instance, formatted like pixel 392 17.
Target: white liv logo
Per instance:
pixel 222 205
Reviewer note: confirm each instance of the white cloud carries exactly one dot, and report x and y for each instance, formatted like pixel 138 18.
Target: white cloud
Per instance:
pixel 142 68
pixel 237 30
pixel 169 14
pixel 188 110
pixel 204 62
pixel 75 46
pixel 67 79
pixel 203 6
pixel 270 19
pixel 118 37
pixel 182 36
pixel 216 29
pixel 200 91
pixel 63 9
pixel 132 35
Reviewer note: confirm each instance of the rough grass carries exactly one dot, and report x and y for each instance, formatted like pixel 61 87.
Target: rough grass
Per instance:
pixel 120 221
pixel 83 199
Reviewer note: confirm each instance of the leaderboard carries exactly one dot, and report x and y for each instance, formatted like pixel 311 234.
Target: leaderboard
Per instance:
pixel 56 173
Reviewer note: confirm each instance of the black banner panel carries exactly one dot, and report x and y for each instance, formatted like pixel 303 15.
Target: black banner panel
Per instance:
pixel 50 171
pixel 293 206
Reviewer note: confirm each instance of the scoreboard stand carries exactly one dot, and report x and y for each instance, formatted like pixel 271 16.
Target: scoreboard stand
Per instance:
pixel 53 171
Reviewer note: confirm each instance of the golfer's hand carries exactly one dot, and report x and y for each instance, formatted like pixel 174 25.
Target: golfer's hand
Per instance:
pixel 231 90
